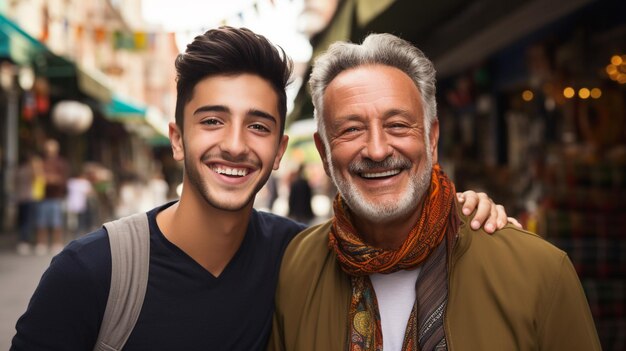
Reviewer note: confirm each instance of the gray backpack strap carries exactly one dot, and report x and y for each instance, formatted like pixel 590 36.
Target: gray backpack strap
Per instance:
pixel 130 258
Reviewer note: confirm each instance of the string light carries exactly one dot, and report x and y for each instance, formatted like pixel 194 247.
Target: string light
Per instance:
pixel 584 93
pixel 569 92
pixel 596 93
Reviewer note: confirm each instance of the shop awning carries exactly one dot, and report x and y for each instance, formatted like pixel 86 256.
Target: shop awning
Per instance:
pixel 76 80
pixel 93 84
pixel 146 121
pixel 21 48
pixel 123 110
pixel 18 45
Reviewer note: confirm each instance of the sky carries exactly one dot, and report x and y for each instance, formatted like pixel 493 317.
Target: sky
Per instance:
pixel 275 19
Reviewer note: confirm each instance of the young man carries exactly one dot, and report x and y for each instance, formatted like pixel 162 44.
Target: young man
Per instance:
pixel 404 270
pixel 214 260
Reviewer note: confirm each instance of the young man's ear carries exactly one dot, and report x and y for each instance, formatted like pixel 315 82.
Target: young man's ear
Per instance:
pixel 176 140
pixel 321 149
pixel 282 147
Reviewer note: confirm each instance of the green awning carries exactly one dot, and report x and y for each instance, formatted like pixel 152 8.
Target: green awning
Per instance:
pixel 122 110
pixel 138 118
pixel 20 47
pixel 76 81
pixel 17 45
pixel 92 84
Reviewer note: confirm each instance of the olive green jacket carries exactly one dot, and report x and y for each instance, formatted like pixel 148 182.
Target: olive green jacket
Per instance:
pixel 508 291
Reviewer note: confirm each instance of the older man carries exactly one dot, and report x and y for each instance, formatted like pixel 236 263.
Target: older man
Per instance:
pixel 399 267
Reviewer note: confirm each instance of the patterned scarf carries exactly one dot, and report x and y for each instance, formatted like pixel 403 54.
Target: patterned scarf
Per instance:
pixel 422 246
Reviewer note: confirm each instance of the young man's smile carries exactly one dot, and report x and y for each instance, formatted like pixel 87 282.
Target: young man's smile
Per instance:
pixel 230 171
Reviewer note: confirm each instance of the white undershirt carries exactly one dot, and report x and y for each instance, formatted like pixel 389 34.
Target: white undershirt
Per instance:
pixel 395 294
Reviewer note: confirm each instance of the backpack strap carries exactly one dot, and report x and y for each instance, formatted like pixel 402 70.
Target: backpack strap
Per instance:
pixel 130 258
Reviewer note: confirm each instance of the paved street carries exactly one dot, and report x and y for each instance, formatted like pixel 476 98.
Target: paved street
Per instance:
pixel 18 278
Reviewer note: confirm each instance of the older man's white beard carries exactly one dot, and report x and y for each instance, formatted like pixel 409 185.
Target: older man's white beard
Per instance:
pixel 388 211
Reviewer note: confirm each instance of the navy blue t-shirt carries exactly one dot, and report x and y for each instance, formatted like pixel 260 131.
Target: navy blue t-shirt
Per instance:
pixel 185 307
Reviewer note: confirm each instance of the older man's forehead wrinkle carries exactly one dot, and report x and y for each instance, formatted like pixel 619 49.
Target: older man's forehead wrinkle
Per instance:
pixel 397 112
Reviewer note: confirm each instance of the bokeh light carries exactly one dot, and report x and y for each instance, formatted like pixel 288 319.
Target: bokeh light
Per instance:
pixel 596 93
pixel 527 95
pixel 616 60
pixel 583 93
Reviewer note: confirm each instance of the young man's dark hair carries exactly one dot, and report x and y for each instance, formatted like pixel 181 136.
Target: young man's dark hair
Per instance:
pixel 226 51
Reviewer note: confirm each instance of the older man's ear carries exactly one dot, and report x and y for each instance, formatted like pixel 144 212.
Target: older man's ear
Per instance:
pixel 321 149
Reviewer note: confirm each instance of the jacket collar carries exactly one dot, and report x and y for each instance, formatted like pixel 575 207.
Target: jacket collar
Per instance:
pixel 464 234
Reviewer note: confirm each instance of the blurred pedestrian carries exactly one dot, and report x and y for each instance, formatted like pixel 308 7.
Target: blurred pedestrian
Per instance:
pixel 30 187
pixel 50 212
pixel 101 205
pixel 79 189
pixel 155 191
pixel 272 191
pixel 129 195
pixel 300 195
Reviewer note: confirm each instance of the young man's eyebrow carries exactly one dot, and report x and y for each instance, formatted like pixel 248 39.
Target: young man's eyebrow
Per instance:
pixel 211 108
pixel 262 114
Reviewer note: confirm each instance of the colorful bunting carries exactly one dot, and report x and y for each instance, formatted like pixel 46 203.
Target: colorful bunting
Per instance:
pixel 134 41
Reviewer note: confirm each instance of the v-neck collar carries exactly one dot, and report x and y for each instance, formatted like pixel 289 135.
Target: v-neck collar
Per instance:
pixel 250 231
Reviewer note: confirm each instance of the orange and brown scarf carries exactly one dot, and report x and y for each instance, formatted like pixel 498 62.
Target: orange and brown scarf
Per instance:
pixel 421 247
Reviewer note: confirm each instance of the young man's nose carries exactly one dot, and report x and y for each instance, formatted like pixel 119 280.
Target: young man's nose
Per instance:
pixel 234 141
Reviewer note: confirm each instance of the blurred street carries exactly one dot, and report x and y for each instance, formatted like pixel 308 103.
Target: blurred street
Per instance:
pixel 20 275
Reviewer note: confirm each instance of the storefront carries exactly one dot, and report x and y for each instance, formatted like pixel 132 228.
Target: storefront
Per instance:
pixel 20 57
pixel 37 87
pixel 541 126
pixel 47 96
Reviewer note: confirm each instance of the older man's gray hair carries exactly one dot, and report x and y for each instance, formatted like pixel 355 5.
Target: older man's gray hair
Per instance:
pixel 385 49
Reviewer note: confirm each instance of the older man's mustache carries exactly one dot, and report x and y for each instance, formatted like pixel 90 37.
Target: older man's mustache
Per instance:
pixel 367 165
